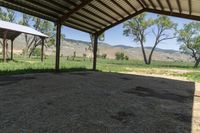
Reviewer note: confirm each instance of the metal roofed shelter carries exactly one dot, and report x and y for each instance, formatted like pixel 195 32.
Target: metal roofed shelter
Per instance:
pixel 9 31
pixel 96 16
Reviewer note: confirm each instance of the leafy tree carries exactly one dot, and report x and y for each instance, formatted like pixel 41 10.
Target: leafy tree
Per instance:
pixel 29 39
pixel 164 31
pixel 138 28
pixel 10 16
pixel 189 39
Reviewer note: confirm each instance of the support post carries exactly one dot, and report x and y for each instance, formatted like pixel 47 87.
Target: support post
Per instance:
pixel 4 46
pixel 95 47
pixel 11 51
pixel 42 49
pixel 58 35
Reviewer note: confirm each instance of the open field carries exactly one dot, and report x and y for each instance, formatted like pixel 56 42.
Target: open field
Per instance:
pixel 21 65
pixel 97 102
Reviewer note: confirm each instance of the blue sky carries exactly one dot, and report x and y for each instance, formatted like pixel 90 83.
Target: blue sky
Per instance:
pixel 114 36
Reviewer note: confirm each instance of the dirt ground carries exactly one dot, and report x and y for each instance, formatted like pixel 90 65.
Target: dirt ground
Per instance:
pixel 96 102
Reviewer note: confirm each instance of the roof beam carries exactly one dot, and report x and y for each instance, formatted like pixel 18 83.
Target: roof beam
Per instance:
pixel 110 8
pixel 187 16
pixel 118 5
pixel 77 8
pixel 29 9
pixel 146 5
pixel 68 9
pixel 152 4
pixel 43 5
pixel 179 6
pixel 121 21
pixel 127 2
pixel 160 4
pixel 102 11
pixel 190 6
pixel 170 6
pixel 85 22
pixel 96 15
pixel 141 3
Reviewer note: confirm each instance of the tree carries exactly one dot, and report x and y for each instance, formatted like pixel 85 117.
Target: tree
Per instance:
pixel 101 38
pixel 10 16
pixel 138 28
pixel 162 32
pixel 189 39
pixel 29 39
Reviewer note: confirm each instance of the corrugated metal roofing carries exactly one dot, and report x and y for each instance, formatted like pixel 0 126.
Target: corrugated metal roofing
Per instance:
pixel 16 29
pixel 95 16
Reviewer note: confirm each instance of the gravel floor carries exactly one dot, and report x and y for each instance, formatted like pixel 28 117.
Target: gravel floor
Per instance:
pixel 94 102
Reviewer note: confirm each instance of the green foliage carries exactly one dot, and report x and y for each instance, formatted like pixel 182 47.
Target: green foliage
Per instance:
pixel 119 56
pixel 103 56
pixel 138 27
pixel 189 39
pixel 36 52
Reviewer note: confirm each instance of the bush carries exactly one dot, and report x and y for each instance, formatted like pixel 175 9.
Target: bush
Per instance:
pixel 126 57
pixel 103 56
pixel 119 56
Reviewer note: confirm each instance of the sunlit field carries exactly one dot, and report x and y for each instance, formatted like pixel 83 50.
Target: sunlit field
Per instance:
pixel 21 65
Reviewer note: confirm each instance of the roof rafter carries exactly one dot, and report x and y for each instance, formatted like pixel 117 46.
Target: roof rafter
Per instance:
pixel 77 8
pixel 121 21
pixel 169 5
pixel 141 4
pixel 152 4
pixel 110 8
pixel 31 8
pixel 144 2
pixel 160 4
pixel 179 6
pixel 190 6
pixel 118 5
pixel 96 15
pixel 41 4
pixel 127 2
pixel 187 16
pixel 102 11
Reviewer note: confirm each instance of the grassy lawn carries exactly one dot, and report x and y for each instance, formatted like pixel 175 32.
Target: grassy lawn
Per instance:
pixel 21 65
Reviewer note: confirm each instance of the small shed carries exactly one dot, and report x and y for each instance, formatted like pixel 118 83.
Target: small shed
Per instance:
pixel 10 31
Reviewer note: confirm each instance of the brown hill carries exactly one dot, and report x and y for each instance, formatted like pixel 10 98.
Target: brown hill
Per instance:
pixel 68 47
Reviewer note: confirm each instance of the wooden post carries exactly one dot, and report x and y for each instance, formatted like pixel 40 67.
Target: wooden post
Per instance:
pixel 58 35
pixel 11 51
pixel 4 46
pixel 95 51
pixel 42 49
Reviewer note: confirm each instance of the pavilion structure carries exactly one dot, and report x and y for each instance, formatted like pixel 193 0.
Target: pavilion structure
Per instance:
pixel 10 31
pixel 97 16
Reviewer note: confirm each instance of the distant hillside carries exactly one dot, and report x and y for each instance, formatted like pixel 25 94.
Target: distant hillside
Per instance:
pixel 69 46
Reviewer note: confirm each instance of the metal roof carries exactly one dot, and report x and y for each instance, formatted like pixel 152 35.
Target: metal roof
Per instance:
pixel 15 29
pixel 96 16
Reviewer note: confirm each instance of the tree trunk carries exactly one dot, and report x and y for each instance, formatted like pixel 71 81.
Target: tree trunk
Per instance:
pixel 144 54
pixel 150 55
pixel 197 63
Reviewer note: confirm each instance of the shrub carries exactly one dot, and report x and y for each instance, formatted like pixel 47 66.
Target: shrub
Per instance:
pixel 119 56
pixel 126 57
pixel 103 56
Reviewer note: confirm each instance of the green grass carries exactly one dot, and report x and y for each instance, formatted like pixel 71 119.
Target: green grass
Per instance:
pixel 21 65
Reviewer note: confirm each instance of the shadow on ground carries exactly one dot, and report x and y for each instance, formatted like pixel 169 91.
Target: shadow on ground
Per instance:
pixel 94 102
